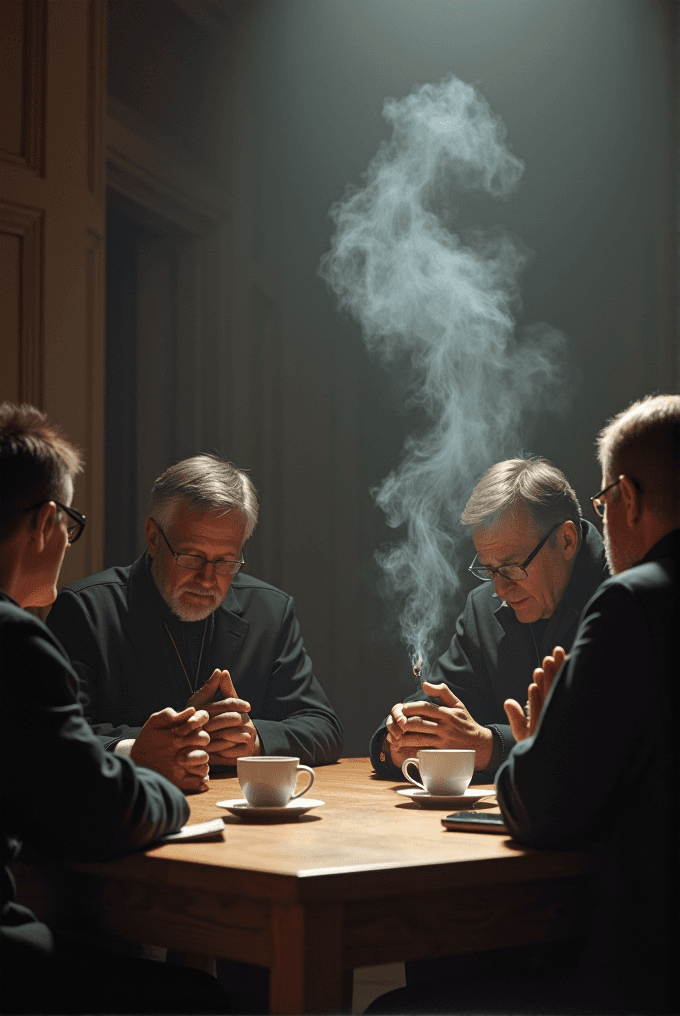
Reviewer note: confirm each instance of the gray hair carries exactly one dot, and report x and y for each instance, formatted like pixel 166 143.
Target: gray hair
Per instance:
pixel 532 483
pixel 204 483
pixel 643 443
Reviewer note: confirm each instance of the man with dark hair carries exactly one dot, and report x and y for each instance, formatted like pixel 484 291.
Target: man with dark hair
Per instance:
pixel 61 792
pixel 540 563
pixel 181 626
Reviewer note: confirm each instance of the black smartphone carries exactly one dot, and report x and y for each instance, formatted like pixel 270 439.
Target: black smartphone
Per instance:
pixel 475 821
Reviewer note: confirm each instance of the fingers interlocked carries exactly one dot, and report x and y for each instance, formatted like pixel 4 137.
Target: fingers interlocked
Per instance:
pixel 232 732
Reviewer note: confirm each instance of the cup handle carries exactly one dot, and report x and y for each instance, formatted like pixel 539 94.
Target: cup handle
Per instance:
pixel 308 787
pixel 404 769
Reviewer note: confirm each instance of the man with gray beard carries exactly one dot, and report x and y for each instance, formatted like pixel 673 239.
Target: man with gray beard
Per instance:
pixel 181 626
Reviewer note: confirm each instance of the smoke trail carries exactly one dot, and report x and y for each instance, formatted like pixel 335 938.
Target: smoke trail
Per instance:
pixel 445 302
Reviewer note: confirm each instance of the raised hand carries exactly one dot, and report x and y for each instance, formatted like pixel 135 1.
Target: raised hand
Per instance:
pixel 524 726
pixel 415 725
pixel 232 732
pixel 175 745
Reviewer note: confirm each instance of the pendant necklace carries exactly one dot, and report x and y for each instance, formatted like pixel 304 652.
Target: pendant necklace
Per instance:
pixel 200 655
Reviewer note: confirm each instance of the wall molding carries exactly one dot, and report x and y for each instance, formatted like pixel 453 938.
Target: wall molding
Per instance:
pixel 28 224
pixel 96 97
pixel 159 179
pixel 32 155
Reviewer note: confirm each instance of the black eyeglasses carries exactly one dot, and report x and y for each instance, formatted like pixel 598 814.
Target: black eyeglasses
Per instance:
pixel 512 572
pixel 194 562
pixel 74 530
pixel 596 500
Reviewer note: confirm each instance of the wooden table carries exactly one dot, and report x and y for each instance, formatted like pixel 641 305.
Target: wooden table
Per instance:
pixel 369 878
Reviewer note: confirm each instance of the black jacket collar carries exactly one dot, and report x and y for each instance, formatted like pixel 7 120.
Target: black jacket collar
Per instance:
pixel 667 546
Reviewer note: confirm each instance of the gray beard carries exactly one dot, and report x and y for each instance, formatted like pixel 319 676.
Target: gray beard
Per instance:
pixel 197 613
pixel 187 612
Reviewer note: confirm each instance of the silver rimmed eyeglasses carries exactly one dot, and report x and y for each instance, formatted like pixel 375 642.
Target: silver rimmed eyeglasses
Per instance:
pixel 596 500
pixel 512 572
pixel 194 562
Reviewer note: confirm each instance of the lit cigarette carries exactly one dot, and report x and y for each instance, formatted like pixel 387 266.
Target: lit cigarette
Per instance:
pixel 417 668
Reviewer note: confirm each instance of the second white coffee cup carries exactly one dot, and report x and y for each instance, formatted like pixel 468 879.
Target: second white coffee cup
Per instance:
pixel 443 771
pixel 268 781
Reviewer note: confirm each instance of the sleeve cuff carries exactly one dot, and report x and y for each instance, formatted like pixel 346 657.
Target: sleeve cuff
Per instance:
pixel 503 743
pixel 382 763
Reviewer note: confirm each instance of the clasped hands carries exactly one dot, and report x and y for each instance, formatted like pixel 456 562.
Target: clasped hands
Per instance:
pixel 415 725
pixel 232 733
pixel 182 745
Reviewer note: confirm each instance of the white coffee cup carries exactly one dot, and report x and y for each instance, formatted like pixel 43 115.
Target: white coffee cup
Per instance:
pixel 444 771
pixel 268 781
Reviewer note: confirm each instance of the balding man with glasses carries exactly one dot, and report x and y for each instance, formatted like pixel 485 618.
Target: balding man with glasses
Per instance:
pixel 539 563
pixel 182 627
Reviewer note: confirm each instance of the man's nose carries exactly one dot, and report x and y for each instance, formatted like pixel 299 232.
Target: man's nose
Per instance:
pixel 502 585
pixel 204 576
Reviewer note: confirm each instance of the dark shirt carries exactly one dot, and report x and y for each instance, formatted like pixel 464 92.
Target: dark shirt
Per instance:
pixel 602 765
pixel 112 626
pixel 61 792
pixel 492 655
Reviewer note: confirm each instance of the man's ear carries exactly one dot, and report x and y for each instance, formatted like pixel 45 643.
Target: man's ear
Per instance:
pixel 568 539
pixel 44 525
pixel 631 500
pixel 151 531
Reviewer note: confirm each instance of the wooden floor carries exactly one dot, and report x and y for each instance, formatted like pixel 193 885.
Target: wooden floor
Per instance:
pixel 369 982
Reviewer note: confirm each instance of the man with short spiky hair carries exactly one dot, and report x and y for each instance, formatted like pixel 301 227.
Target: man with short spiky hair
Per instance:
pixel 61 793
pixel 183 627
pixel 540 562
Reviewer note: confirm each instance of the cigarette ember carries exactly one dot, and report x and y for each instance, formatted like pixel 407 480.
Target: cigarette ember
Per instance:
pixel 417 668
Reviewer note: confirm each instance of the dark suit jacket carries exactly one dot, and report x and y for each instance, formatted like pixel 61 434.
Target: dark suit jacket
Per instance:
pixel 603 766
pixel 492 656
pixel 112 627
pixel 61 792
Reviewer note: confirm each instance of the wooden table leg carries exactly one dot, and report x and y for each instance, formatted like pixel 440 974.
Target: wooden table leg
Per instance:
pixel 306 974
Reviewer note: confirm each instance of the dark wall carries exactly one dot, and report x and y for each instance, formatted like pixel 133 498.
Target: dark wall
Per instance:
pixel 585 91
pixel 293 115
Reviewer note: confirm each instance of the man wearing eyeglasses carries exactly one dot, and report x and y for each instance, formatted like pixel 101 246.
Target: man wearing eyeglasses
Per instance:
pixel 60 793
pixel 183 627
pixel 539 563
pixel 597 762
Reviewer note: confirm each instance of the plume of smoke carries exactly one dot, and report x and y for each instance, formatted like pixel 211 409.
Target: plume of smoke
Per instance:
pixel 421 291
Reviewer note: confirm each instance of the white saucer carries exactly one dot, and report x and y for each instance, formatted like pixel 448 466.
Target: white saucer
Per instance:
pixel 427 800
pixel 288 813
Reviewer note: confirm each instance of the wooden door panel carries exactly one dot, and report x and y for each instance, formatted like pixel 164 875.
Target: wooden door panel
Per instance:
pixel 23 46
pixel 52 230
pixel 21 298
